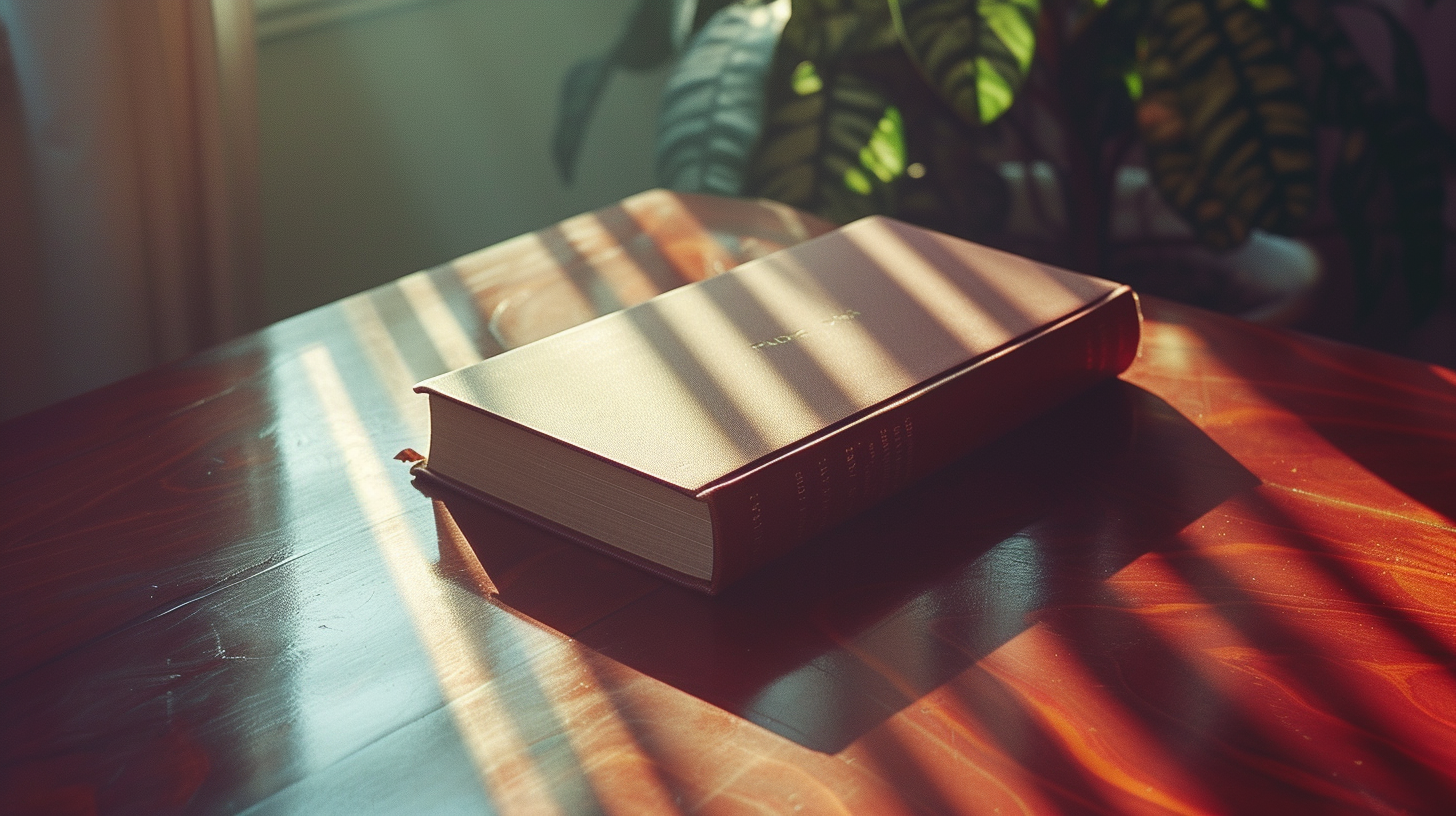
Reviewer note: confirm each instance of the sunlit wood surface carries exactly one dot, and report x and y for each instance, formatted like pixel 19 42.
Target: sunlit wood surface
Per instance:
pixel 1224 584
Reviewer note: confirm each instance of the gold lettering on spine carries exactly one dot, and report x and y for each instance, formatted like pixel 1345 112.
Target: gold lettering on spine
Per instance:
pixel 755 521
pixel 900 455
pixel 887 463
pixel 909 445
pixel 826 495
pixel 872 471
pixel 801 494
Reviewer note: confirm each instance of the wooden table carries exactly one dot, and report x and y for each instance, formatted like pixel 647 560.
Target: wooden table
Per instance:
pixel 1226 583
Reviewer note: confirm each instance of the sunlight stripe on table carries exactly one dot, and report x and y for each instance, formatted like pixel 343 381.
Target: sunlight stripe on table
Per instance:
pixel 1316 605
pixel 623 776
pixel 487 731
pixel 390 368
pixel 446 334
pixel 1095 728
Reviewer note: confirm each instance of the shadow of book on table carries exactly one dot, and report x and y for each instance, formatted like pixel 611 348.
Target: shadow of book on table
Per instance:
pixel 828 642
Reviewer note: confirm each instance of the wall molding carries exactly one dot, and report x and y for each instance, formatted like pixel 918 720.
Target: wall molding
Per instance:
pixel 278 19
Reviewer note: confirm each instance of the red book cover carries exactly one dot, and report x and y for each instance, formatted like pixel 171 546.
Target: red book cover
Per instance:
pixel 749 411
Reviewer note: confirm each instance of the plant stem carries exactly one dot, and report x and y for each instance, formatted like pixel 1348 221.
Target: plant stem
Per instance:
pixel 1087 189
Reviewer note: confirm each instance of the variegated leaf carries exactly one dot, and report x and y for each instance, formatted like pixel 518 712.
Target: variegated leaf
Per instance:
pixel 975 53
pixel 832 144
pixel 829 31
pixel 712 107
pixel 1228 134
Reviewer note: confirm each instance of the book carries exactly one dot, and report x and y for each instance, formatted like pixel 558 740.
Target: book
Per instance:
pixel 706 431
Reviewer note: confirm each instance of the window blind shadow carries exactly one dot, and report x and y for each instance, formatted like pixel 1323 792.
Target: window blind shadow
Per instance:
pixel 828 642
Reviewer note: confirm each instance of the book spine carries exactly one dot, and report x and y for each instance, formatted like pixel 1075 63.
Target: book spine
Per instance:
pixel 766 511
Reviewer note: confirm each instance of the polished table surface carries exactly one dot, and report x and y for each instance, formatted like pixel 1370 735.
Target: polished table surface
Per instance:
pixel 1225 583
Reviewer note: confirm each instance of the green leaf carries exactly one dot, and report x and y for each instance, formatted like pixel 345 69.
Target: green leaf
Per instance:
pixel 806 79
pixel 826 150
pixel 975 53
pixel 826 32
pixel 856 180
pixel 884 156
pixel 712 107
pixel 1134 82
pixel 1228 134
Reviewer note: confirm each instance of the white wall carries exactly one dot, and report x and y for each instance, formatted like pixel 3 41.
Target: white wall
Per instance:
pixel 399 140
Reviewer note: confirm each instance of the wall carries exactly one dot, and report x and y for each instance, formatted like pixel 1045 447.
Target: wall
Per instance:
pixel 398 140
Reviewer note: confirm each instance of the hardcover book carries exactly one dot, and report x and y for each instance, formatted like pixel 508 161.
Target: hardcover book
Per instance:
pixel 707 431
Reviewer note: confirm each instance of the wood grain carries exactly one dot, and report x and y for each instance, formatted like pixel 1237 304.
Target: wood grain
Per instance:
pixel 1222 585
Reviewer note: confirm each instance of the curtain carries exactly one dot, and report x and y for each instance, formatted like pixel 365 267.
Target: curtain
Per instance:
pixel 128 151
